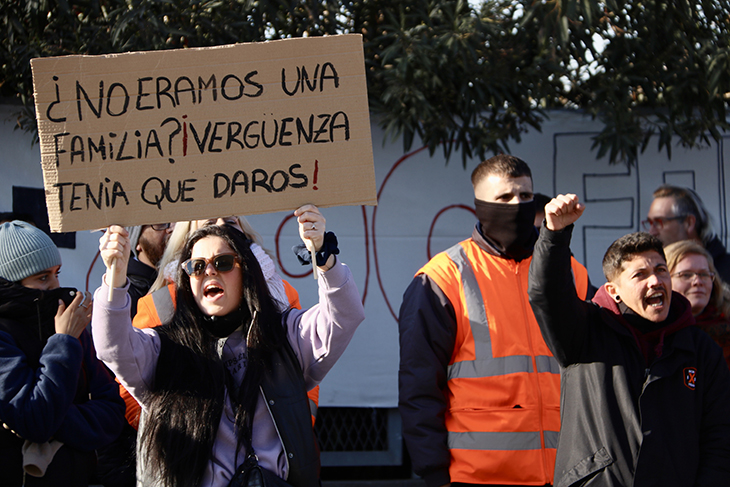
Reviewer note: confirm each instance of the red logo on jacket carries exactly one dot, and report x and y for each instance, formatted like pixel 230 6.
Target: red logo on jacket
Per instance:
pixel 690 377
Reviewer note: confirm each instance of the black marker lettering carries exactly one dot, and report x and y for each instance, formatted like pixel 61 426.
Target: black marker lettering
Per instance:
pixel 253 136
pixel 284 132
pixel 99 149
pixel 305 79
pixel 283 82
pixel 60 187
pixel 258 178
pixel 322 129
pixel 50 106
pixel 238 82
pixel 201 144
pixel 251 82
pixel 186 189
pixel 344 125
pixel 74 196
pixel 190 88
pixel 214 137
pixel 96 111
pixel 297 175
pixel 121 150
pixel 141 93
pixel 109 97
pixel 284 183
pixel 244 182
pixel 217 192
pixel 55 143
pixel 172 134
pixel 164 91
pixel 301 131
pixel 332 76
pixel 154 141
pixel 90 196
pixel 232 135
pixel 74 151
pixel 118 191
pixel 263 134
pixel 203 85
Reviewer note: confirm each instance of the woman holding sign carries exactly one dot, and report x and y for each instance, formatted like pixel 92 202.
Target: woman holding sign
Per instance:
pixel 223 384
pixel 158 306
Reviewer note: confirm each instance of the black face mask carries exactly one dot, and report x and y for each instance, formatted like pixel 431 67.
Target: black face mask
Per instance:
pixel 509 228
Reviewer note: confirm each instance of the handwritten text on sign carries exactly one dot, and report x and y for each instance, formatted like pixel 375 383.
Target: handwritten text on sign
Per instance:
pixel 178 135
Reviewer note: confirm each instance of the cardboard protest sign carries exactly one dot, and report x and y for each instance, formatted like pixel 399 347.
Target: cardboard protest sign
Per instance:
pixel 161 136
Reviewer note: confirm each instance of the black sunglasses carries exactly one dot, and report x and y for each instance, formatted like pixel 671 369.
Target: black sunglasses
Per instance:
pixel 221 263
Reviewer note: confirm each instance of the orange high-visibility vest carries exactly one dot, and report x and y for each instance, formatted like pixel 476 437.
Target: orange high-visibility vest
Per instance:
pixel 503 389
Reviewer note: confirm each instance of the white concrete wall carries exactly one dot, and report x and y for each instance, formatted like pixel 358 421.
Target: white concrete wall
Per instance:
pixel 421 196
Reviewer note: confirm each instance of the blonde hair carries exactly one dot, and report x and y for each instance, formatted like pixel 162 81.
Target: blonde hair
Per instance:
pixel 720 296
pixel 177 240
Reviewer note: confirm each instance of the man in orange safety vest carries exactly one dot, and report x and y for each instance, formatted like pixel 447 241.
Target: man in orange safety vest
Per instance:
pixel 479 391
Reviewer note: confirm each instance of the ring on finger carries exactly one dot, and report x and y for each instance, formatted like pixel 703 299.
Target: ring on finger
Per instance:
pixel 314 227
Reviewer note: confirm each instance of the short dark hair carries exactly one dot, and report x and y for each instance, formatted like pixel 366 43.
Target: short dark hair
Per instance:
pixel 502 165
pixel 625 248
pixel 688 202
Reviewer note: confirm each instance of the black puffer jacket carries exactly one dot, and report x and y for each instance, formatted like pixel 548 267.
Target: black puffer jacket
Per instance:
pixel 626 423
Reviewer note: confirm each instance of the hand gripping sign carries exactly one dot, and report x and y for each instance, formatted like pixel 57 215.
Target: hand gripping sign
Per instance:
pixel 153 137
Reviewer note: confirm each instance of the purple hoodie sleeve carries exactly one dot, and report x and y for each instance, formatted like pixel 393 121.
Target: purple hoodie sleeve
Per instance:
pixel 320 334
pixel 129 352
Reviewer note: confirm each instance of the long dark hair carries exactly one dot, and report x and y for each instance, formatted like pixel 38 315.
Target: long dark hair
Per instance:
pixel 187 400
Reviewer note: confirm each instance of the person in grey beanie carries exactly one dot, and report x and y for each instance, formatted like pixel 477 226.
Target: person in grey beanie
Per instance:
pixel 58 403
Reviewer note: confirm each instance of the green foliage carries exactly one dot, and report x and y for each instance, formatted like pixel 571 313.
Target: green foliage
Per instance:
pixel 664 72
pixel 457 79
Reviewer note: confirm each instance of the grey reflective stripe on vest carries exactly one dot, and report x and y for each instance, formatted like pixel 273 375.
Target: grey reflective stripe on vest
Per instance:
pixel 547 363
pixel 163 304
pixel 529 440
pixel 474 304
pixel 470 369
pixel 551 439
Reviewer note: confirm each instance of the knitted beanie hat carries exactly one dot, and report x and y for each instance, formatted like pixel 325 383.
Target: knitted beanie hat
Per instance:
pixel 25 250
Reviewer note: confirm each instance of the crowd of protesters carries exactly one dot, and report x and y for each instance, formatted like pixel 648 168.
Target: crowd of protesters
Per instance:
pixel 193 365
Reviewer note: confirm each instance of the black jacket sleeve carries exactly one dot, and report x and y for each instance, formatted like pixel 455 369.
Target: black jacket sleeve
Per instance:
pixel 560 313
pixel 714 468
pixel 427 328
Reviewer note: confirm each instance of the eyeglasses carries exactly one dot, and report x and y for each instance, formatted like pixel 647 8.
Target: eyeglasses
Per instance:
pixel 688 276
pixel 659 221
pixel 158 227
pixel 221 263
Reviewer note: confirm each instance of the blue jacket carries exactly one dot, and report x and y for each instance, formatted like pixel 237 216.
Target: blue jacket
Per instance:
pixel 52 386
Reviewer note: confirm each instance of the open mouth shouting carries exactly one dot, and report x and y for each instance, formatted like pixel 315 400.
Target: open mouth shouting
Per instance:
pixel 656 304
pixel 655 299
pixel 213 290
